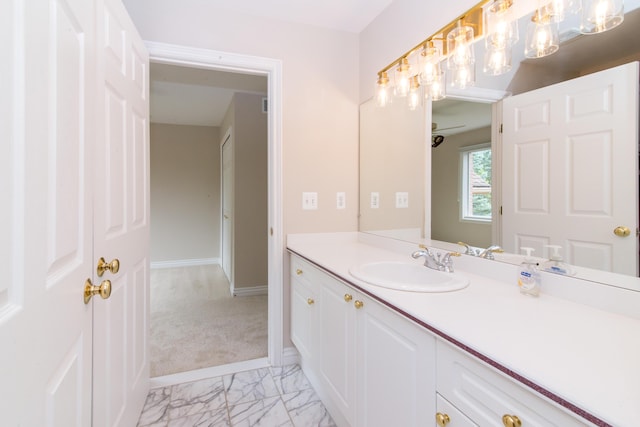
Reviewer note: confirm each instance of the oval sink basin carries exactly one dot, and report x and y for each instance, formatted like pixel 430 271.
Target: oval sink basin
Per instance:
pixel 405 276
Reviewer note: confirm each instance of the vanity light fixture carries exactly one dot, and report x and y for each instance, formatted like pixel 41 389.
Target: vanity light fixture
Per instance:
pixel 403 78
pixel 601 15
pixel 502 34
pixel 429 63
pixel 558 9
pixel 437 89
pixel 460 46
pixel 383 89
pixel 542 35
pixel 414 98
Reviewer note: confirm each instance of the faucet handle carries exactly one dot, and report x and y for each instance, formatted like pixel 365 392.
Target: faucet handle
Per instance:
pixel 468 249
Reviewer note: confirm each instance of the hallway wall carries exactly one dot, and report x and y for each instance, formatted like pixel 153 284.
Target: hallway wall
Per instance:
pixel 185 192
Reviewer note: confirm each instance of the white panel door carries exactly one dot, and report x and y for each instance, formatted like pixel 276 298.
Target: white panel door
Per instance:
pixel 566 148
pixel 121 220
pixel 227 208
pixel 47 81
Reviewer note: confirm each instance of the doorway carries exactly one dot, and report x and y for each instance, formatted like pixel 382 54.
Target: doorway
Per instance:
pixel 209 60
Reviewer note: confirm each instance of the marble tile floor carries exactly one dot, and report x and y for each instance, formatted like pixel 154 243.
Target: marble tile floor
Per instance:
pixel 268 397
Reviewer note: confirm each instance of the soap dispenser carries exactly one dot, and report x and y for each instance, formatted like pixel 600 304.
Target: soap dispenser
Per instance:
pixel 528 275
pixel 555 264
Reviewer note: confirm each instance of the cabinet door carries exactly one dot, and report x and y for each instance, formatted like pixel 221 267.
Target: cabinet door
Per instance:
pixel 337 355
pixel 396 369
pixel 302 319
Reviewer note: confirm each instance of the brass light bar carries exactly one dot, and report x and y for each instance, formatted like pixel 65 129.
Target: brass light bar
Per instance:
pixel 473 17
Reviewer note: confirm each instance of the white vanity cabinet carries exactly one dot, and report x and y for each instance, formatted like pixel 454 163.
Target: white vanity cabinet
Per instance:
pixel 488 398
pixel 371 366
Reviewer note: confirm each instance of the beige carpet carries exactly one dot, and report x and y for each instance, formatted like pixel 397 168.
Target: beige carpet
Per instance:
pixel 196 323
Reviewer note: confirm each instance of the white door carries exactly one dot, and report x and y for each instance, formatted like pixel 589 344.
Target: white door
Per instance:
pixel 48 86
pixel 566 148
pixel 121 221
pixel 227 208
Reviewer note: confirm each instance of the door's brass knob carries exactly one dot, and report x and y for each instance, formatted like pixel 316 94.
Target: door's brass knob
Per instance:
pixel 442 419
pixel 310 301
pixel 621 231
pixel 113 266
pixel 299 272
pixel 511 421
pixel 348 297
pixel 104 290
pixel 358 304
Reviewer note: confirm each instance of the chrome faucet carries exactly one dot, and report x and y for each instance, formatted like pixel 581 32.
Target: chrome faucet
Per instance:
pixel 488 252
pixel 482 253
pixel 436 261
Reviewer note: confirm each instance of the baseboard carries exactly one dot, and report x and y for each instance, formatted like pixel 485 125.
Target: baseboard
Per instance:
pixel 290 356
pixel 185 262
pixel 250 291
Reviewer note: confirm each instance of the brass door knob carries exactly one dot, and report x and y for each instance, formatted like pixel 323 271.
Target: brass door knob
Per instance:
pixel 299 272
pixel 113 266
pixel 104 290
pixel 348 297
pixel 358 304
pixel 310 301
pixel 511 421
pixel 621 231
pixel 442 419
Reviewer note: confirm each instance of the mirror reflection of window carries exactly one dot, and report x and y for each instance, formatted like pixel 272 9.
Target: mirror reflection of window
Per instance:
pixel 475 181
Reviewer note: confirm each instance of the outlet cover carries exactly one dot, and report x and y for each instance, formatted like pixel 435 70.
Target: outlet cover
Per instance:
pixel 341 200
pixel 309 200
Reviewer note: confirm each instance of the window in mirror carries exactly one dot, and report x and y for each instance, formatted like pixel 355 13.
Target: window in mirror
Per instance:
pixel 476 183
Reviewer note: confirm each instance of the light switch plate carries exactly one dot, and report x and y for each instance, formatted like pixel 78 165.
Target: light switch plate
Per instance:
pixel 375 200
pixel 402 199
pixel 341 200
pixel 309 200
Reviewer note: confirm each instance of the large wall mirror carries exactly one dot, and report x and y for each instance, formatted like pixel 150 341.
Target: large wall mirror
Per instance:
pixel 412 181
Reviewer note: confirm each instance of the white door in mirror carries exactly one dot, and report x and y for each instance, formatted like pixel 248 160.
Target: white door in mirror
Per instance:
pixel 566 148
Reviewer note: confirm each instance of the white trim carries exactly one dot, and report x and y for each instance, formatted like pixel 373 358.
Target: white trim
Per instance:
pixel 249 291
pixel 205 58
pixel 213 372
pixel 290 356
pixel 185 263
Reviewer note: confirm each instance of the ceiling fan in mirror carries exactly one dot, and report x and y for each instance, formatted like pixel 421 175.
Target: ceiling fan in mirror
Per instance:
pixel 439 139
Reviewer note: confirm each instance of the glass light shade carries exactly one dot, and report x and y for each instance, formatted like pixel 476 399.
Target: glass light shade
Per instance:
pixel 463 77
pixel 460 47
pixel 403 78
pixel 437 89
pixel 502 26
pixel 601 15
pixel 429 64
pixel 542 36
pixel 497 60
pixel 383 90
pixel 414 97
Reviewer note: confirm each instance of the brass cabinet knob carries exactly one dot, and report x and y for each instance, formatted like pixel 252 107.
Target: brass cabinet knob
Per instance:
pixel 348 297
pixel 113 266
pixel 104 290
pixel 310 301
pixel 442 419
pixel 299 272
pixel 511 421
pixel 358 304
pixel 621 231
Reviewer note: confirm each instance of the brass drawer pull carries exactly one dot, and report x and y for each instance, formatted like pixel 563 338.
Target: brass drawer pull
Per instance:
pixel 348 297
pixel 511 421
pixel 310 301
pixel 358 304
pixel 299 272
pixel 442 419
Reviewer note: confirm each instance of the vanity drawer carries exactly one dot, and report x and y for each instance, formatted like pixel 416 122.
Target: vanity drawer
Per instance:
pixel 486 395
pixel 449 416
pixel 304 272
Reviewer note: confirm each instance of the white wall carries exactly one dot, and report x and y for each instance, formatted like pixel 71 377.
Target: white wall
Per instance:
pixel 185 192
pixel 320 97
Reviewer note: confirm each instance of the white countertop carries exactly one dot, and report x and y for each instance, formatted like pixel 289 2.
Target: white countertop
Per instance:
pixel 585 355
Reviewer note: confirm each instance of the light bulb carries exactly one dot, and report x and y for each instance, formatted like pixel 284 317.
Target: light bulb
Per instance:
pixel 403 77
pixel 383 90
pixel 460 47
pixel 429 63
pixel 436 90
pixel 542 35
pixel 463 77
pixel 601 15
pixel 497 60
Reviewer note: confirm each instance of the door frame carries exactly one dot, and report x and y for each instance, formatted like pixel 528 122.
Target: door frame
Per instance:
pixel 185 56
pixel 226 139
